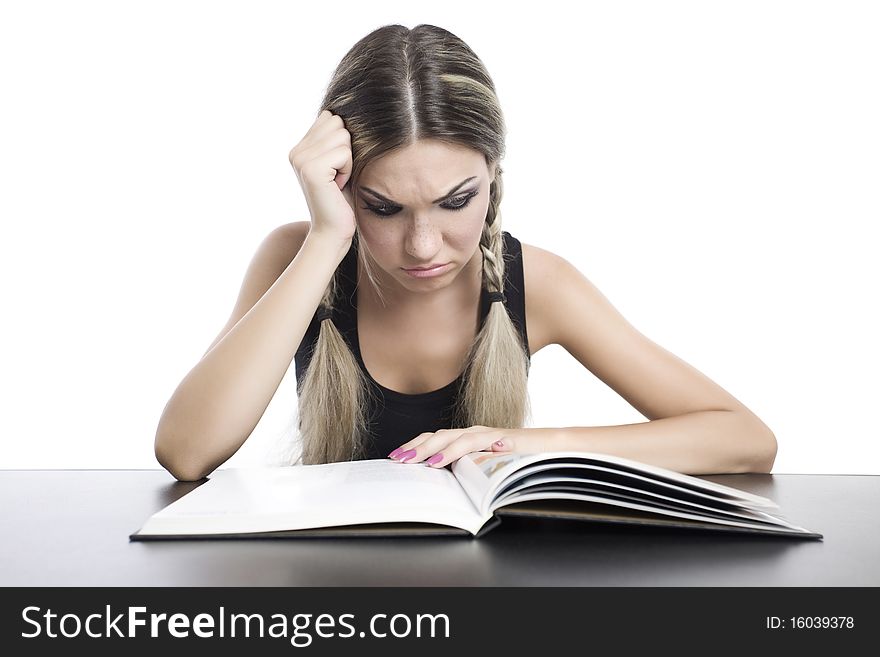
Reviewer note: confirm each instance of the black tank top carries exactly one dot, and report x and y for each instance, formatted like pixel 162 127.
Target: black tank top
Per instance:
pixel 396 417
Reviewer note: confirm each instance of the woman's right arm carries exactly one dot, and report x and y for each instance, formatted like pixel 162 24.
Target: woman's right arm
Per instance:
pixel 218 404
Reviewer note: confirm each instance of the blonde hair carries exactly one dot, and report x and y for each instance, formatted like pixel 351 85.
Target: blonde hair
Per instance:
pixel 396 86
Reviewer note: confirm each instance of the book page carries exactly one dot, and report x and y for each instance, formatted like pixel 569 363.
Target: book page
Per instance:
pixel 477 473
pixel 326 495
pixel 580 472
pixel 767 524
pixel 500 471
pixel 482 474
pixel 549 485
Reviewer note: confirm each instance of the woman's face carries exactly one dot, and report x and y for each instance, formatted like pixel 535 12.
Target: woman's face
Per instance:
pixel 421 205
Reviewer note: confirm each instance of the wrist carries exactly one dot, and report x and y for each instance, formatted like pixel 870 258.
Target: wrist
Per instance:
pixel 540 439
pixel 333 245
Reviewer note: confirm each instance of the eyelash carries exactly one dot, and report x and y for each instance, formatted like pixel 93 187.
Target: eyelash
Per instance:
pixel 383 210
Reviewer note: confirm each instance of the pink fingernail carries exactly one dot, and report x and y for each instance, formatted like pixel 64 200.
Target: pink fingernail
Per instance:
pixel 395 453
pixel 434 459
pixel 407 455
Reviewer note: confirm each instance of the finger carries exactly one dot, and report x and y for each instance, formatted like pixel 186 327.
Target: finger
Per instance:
pixel 434 443
pixel 320 119
pixel 426 444
pixel 463 445
pixel 316 145
pixel 502 445
pixel 327 124
pixel 411 444
pixel 344 172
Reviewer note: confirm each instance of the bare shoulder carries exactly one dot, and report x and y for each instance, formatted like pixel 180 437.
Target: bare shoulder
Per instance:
pixel 541 269
pixel 561 301
pixel 553 287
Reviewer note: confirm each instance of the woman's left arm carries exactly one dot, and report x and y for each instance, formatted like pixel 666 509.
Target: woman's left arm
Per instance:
pixel 702 442
pixel 694 426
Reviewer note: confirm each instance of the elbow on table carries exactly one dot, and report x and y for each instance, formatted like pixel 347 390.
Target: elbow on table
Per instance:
pixel 772 448
pixel 178 468
pixel 764 456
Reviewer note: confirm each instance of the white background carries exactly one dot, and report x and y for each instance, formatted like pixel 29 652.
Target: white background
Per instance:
pixel 712 167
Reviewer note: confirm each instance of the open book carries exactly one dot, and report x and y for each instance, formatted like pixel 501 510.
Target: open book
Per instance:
pixel 382 497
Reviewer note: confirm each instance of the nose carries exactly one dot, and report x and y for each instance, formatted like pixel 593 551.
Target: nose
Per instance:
pixel 423 240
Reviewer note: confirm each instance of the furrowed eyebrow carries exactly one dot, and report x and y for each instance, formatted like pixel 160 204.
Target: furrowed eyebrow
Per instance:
pixel 436 200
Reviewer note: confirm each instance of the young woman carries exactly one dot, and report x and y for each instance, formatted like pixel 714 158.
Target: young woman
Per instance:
pixel 403 302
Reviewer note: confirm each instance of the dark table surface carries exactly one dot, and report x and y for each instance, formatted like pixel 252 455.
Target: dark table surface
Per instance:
pixel 72 527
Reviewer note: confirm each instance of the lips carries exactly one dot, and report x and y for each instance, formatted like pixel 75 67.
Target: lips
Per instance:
pixel 434 266
pixel 433 272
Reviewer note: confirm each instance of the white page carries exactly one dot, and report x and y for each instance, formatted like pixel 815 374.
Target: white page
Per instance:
pixel 472 471
pixel 326 495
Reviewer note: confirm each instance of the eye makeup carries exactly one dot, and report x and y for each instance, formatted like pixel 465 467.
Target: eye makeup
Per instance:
pixel 454 204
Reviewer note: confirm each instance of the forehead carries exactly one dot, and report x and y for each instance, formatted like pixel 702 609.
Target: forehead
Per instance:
pixel 425 163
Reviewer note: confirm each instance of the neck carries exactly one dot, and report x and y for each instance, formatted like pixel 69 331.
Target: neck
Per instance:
pixel 461 293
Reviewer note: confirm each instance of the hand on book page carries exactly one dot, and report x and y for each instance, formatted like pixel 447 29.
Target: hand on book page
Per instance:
pixel 441 448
